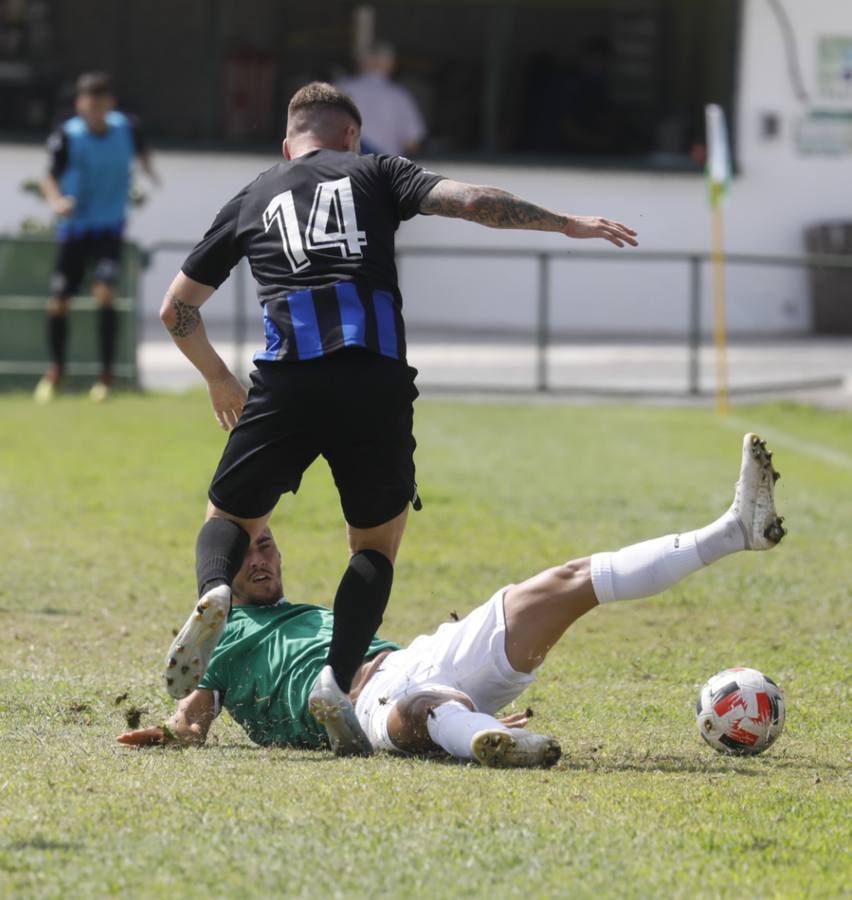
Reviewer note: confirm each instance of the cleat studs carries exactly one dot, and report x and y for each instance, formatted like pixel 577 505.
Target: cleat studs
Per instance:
pixel 172 662
pixel 184 670
pixel 775 476
pixel 196 679
pixel 180 648
pixel 775 531
pixel 170 681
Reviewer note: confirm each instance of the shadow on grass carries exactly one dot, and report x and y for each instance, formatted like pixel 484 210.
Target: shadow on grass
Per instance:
pixel 670 765
pixel 46 611
pixel 41 843
pixel 680 764
pixel 292 754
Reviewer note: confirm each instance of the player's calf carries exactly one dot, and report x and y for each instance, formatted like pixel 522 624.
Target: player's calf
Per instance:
pixel 447 720
pixel 407 723
pixel 751 523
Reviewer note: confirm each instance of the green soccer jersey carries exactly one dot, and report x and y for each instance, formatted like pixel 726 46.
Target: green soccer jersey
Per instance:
pixel 265 666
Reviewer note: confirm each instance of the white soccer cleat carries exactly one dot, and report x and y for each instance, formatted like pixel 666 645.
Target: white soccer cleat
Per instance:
pixel 514 749
pixel 45 391
pixel 190 652
pixel 333 709
pixel 99 392
pixel 754 500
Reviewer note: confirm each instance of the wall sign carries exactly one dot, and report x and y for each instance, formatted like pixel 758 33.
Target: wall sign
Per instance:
pixel 834 73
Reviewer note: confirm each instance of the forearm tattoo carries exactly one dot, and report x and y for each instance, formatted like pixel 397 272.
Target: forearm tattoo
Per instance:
pixel 489 206
pixel 187 317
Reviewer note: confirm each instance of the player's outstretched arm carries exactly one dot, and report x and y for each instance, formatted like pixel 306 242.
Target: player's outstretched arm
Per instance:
pixel 189 724
pixel 181 314
pixel 499 209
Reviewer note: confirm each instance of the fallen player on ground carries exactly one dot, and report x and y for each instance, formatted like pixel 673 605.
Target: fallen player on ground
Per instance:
pixel 444 690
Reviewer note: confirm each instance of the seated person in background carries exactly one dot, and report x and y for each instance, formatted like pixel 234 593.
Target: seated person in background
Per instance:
pixel 392 121
pixel 444 690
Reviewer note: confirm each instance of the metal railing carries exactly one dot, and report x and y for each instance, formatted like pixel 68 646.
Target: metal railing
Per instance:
pixel 544 336
pixel 694 261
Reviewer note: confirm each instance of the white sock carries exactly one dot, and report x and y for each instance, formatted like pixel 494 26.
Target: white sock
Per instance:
pixel 649 568
pixel 452 727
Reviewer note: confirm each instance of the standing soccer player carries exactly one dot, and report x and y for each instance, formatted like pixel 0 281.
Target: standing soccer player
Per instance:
pixel 318 230
pixel 87 186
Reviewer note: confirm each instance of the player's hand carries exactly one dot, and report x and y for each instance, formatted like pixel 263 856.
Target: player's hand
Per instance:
pixel 516 720
pixel 596 227
pixel 143 737
pixel 228 398
pixel 63 206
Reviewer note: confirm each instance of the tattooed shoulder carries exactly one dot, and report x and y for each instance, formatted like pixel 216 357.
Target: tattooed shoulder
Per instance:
pixel 187 317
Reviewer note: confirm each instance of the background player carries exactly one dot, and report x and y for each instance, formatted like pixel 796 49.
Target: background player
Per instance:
pixel 87 186
pixel 444 690
pixel 318 230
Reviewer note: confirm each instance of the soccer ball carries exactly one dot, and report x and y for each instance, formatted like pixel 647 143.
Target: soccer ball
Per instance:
pixel 740 711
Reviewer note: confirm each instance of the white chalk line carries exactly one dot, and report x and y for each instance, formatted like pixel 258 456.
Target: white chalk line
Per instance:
pixel 782 439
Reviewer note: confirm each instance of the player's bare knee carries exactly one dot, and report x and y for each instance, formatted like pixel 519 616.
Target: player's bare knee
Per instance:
pixel 168 316
pixel 57 306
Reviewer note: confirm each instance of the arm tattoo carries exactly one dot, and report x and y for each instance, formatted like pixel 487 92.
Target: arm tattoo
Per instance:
pixel 187 317
pixel 489 206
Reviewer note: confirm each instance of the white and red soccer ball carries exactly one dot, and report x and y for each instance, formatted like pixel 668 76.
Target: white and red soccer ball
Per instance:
pixel 740 711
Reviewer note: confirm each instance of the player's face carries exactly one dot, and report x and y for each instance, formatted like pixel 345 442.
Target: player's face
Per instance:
pixel 94 107
pixel 258 583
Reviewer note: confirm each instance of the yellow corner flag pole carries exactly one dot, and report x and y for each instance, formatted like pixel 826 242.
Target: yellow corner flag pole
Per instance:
pixel 720 336
pixel 719 176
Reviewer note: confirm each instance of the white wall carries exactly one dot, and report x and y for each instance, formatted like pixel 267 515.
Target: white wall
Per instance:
pixel 776 195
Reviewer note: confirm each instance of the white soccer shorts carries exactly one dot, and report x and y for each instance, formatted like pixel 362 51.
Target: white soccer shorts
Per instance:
pixel 467 656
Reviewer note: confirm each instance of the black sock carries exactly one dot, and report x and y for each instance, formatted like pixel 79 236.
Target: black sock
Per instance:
pixel 219 553
pixel 107 328
pixel 57 332
pixel 358 608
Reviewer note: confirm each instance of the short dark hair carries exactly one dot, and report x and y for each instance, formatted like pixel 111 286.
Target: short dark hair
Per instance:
pixel 310 102
pixel 97 84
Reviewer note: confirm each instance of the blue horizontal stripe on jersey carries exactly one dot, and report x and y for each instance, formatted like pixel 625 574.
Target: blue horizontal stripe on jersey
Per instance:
pixel 312 323
pixel 353 319
pixel 386 322
pixel 273 338
pixel 306 330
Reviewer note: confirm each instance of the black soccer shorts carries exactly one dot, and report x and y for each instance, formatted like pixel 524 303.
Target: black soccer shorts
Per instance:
pixel 101 250
pixel 352 407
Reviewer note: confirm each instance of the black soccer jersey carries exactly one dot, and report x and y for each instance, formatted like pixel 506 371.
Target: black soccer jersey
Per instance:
pixel 318 232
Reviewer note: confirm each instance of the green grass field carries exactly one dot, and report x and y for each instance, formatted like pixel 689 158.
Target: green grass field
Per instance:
pixel 100 507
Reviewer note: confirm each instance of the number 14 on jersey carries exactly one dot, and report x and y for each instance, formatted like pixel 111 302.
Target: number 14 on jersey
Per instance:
pixel 332 199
